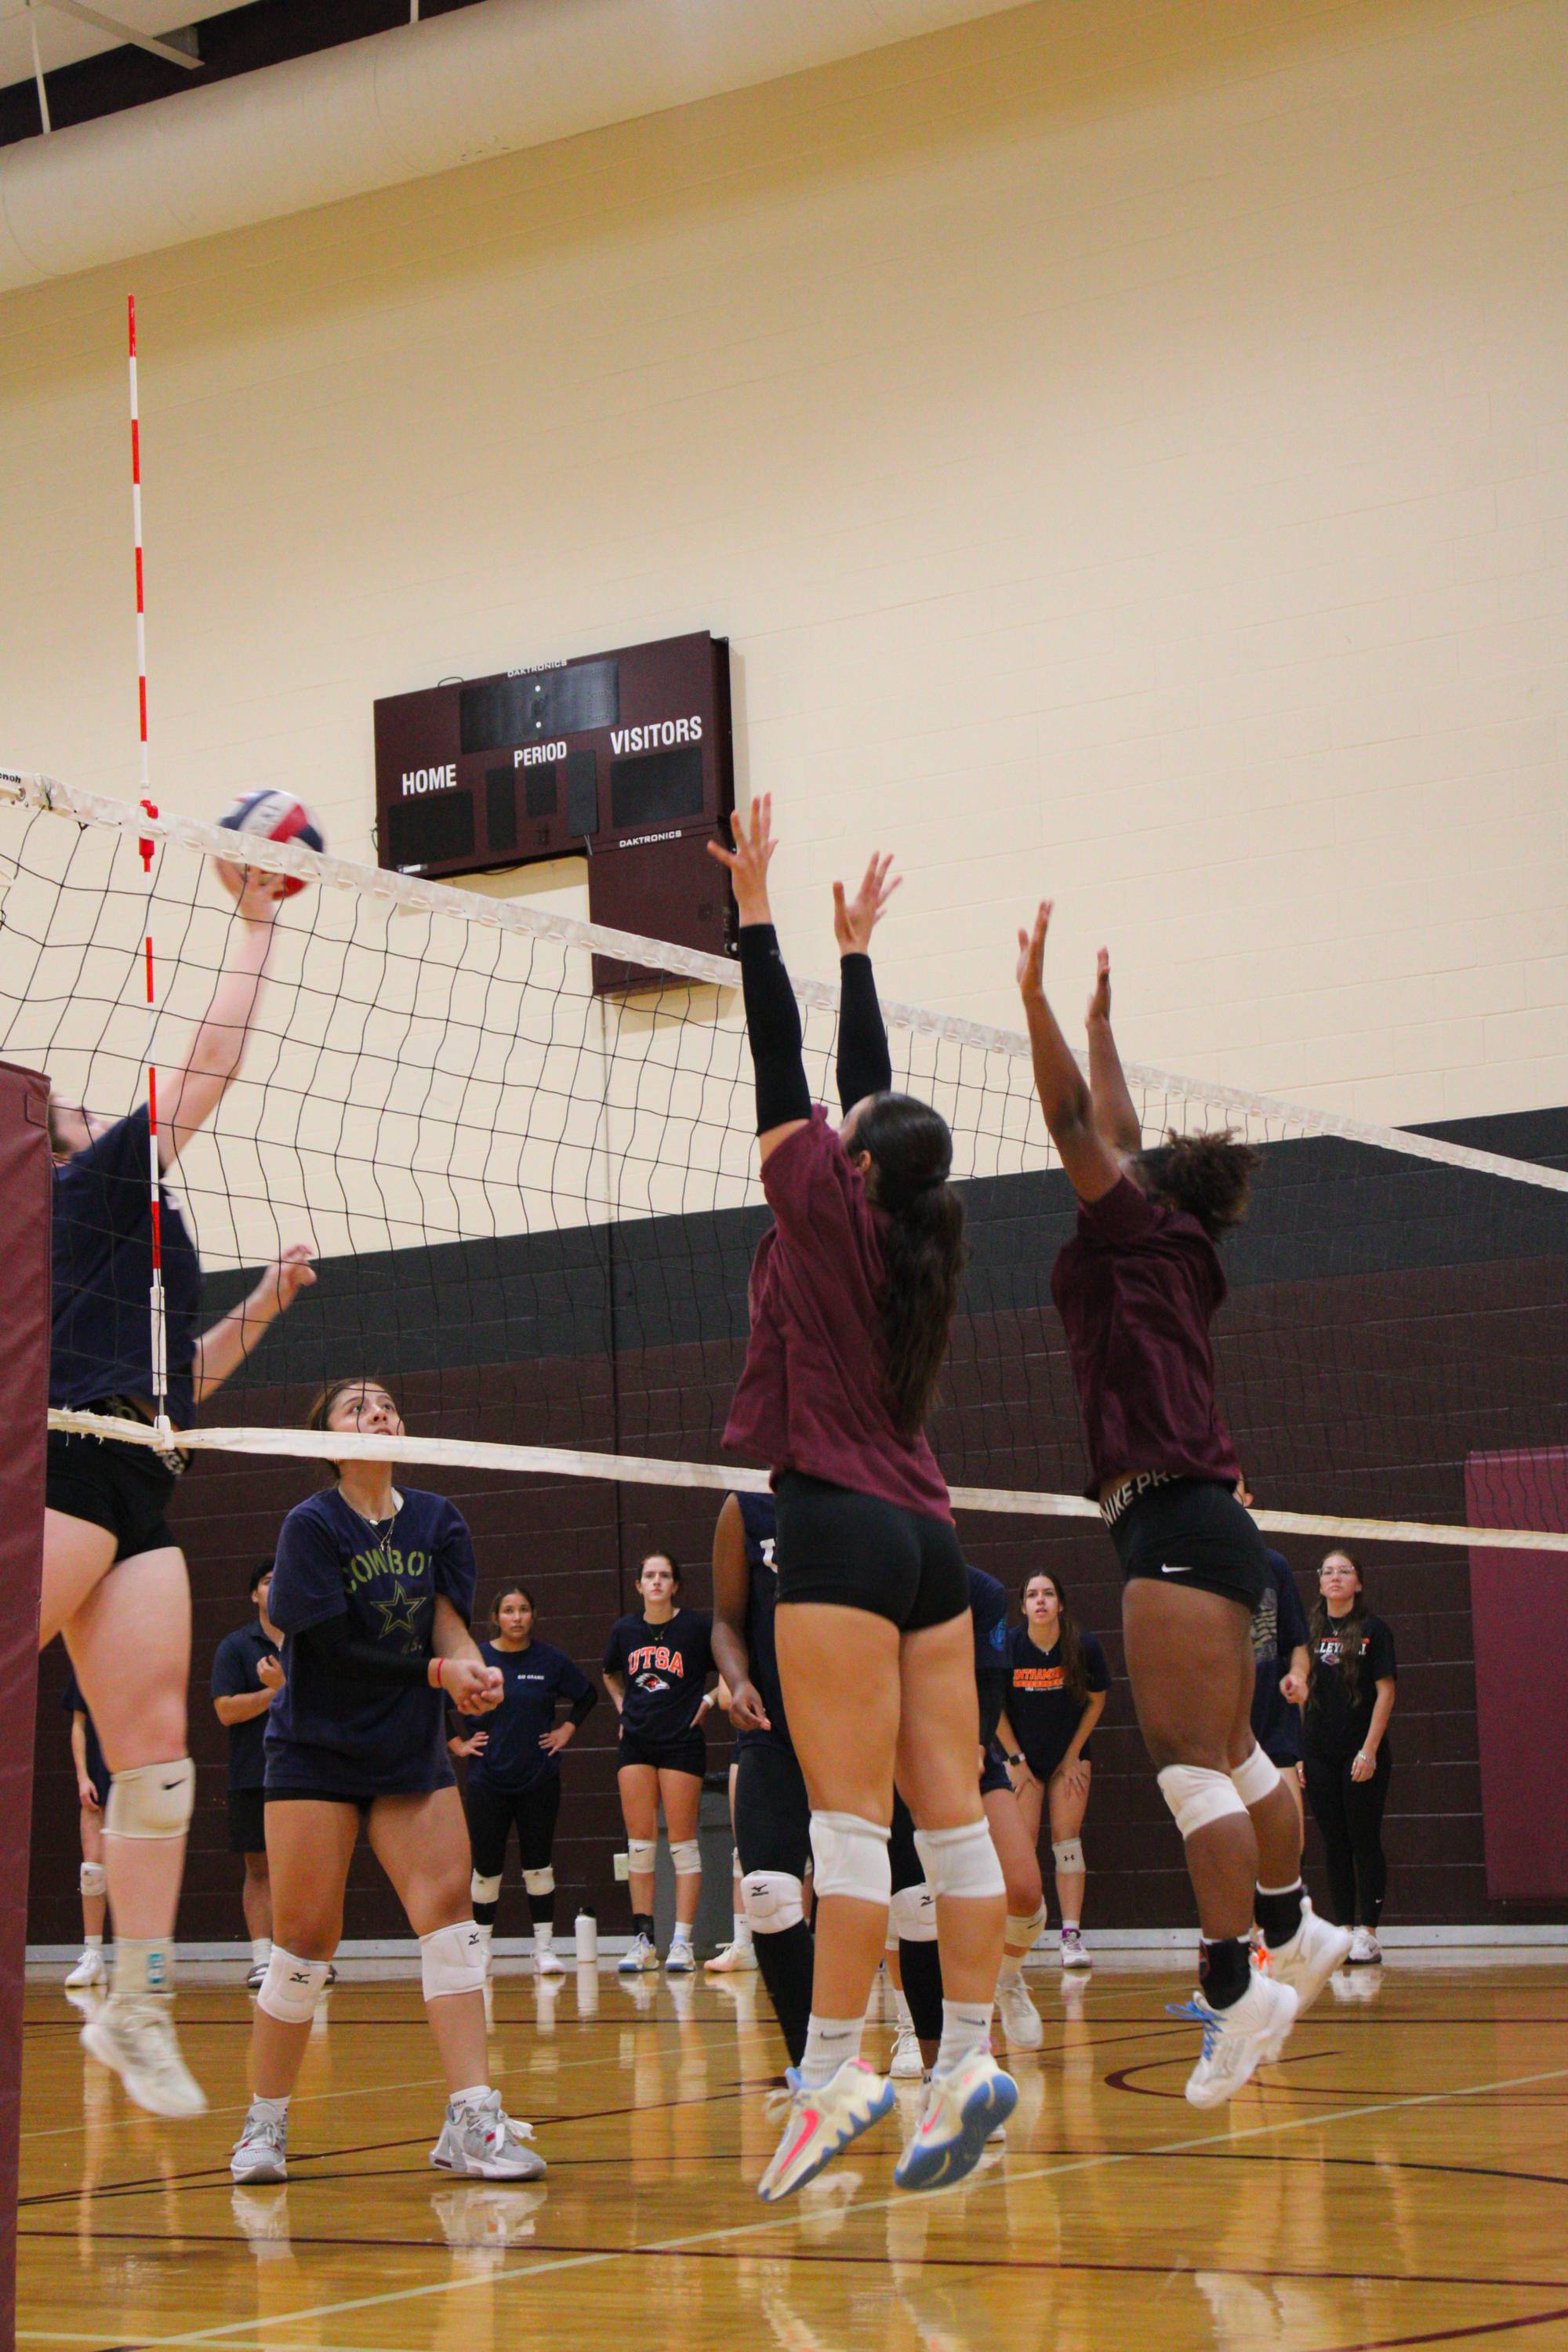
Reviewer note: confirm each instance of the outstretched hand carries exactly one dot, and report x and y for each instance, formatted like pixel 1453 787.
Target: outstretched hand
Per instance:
pixel 854 919
pixel 749 860
pixel 258 894
pixel 1099 1001
pixel 290 1274
pixel 1031 954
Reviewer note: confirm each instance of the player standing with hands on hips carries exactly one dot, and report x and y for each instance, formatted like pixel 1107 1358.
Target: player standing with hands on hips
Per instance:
pixel 114 1579
pixel 1137 1289
pixel 852 1296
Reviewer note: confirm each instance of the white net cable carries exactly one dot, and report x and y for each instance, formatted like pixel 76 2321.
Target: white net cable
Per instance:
pixel 533 1205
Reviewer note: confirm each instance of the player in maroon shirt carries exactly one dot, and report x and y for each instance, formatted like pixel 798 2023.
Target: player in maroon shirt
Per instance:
pixel 852 1297
pixel 1137 1289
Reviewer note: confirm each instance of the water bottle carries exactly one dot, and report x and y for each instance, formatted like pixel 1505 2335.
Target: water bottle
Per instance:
pixel 587 1929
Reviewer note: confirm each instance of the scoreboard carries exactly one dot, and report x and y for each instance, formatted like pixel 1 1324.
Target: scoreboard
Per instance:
pixel 624 758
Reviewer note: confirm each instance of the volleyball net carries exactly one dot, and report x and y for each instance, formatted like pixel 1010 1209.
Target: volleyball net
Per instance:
pixel 532 1198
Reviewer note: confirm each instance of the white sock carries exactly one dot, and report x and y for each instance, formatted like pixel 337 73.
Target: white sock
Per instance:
pixel 828 2041
pixel 1069 1927
pixel 743 1926
pixel 142 1965
pixel 92 1943
pixel 966 2029
pixel 681 1936
pixel 270 2111
pixel 487 1928
pixel 1012 1967
pixel 260 1950
pixel 903 2012
pixel 544 1935
pixel 471 2097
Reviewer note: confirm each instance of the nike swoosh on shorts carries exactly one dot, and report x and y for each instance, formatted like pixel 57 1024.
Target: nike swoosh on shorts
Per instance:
pixel 1168 1568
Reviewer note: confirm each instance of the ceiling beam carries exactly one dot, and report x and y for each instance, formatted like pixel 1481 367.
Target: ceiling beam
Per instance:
pixel 188 58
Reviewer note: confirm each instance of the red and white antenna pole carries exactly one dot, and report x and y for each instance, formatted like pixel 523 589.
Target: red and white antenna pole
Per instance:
pixel 148 847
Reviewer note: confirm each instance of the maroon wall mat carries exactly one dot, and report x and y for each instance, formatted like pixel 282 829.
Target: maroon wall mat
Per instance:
pixel 1519 1609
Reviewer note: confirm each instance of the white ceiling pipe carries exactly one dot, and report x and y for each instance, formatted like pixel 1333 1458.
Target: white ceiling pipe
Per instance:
pixel 404 104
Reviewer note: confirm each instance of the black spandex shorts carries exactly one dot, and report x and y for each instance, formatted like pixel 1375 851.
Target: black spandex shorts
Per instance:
pixel 688 1755
pixel 857 1551
pixel 772 1811
pixel 494 1812
pixel 995 1775
pixel 124 1489
pixel 247 1820
pixel 1193 1531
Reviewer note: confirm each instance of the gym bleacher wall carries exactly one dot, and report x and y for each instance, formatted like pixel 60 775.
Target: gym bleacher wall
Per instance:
pixel 1125 449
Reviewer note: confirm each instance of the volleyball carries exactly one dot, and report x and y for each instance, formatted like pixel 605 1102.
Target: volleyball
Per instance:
pixel 276 816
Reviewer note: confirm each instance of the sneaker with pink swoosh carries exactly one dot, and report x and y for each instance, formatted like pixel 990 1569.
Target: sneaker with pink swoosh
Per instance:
pixel 821 2121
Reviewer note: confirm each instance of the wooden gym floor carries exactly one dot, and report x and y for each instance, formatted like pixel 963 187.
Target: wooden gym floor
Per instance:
pixel 1401 2179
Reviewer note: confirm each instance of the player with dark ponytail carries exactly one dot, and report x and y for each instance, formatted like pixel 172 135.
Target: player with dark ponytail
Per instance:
pixel 1137 1289
pixel 852 1296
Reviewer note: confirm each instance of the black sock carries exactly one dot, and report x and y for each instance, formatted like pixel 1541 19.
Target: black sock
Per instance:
pixel 541 1910
pixel 919 1965
pixel 1278 1911
pixel 1225 1971
pixel 785 1962
pixel 485 1913
pixel 642 1924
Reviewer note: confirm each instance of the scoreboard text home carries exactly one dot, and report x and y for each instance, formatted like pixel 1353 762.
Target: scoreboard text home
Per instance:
pixel 623 757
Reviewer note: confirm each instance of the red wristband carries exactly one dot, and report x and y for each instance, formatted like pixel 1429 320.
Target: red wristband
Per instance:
pixel 433 1673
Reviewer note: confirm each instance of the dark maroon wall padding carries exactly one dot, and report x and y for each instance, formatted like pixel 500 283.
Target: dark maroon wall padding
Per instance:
pixel 1519 1608
pixel 23 1402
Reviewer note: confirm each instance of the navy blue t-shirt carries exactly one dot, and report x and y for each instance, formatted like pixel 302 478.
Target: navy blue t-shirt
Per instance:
pixel 1278 1626
pixel 1042 1711
pixel 102 1339
pixel 73 1703
pixel 762 1601
pixel 536 1679
pixel 988 1613
pixel 235 1676
pixel 664 1668
pixel 362 1738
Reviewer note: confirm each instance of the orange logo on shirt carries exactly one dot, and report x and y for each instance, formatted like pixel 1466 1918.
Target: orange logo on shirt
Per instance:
pixel 1039 1678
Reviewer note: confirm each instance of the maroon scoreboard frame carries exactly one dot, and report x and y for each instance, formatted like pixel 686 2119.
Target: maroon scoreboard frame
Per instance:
pixel 624 758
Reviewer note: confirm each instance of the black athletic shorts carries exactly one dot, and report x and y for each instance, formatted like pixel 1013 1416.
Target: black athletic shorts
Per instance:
pixel 857 1551
pixel 124 1489
pixel 772 1811
pixel 360 1804
pixel 688 1755
pixel 1193 1531
pixel 493 1813
pixel 247 1820
pixel 995 1774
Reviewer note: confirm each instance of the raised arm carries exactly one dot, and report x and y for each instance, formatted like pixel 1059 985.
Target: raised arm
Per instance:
pixel 1092 1165
pixel 865 1066
pixel 1115 1113
pixel 772 1016
pixel 221 1350
pixel 192 1093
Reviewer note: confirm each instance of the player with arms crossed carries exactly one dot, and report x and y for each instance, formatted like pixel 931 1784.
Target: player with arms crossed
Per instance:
pixel 114 1579
pixel 372 1589
pixel 852 1297
pixel 1137 1289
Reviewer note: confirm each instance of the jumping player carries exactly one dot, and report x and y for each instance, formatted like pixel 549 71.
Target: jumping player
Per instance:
pixel 114 1579
pixel 852 1297
pixel 514 1768
pixel 92 1795
pixel 373 1588
pixel 1057 1681
pixel 1137 1289
pixel 656 1666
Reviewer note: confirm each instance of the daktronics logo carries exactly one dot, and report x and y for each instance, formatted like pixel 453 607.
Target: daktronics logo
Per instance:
pixel 657 736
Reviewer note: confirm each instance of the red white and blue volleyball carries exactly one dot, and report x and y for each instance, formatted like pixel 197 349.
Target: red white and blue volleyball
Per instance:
pixel 276 816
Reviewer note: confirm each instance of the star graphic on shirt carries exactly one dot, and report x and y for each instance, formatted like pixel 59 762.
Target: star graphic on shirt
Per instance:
pixel 398 1615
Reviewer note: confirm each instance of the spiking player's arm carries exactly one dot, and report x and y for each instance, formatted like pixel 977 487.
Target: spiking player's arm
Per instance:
pixel 221 1350
pixel 772 1016
pixel 192 1093
pixel 1091 1166
pixel 1115 1113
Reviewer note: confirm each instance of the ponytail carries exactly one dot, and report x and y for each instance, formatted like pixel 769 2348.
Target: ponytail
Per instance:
pixel 924 1246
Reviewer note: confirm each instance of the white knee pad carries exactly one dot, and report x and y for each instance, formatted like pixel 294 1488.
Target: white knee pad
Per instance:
pixel 484 1890
pixel 961 1862
pixel 1197 1796
pixel 291 1988
pixel 1255 1780
pixel 539 1882
pixel 773 1901
pixel 1024 1934
pixel 94 1879
pixel 687 1857
pixel 452 1960
pixel 640 1852
pixel 912 1914
pixel 1067 1853
pixel 152 1801
pixel 849 1856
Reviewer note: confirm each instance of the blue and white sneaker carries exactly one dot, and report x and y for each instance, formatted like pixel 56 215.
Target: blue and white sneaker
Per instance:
pixel 822 2121
pixel 1250 2033
pixel 962 2111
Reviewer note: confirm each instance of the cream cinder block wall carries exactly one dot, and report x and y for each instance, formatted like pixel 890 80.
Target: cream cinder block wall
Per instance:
pixel 1127 446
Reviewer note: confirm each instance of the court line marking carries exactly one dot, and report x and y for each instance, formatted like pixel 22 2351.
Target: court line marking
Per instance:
pixel 525 2271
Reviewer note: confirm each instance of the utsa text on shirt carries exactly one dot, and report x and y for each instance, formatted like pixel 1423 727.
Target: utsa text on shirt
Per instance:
pixel 656 1659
